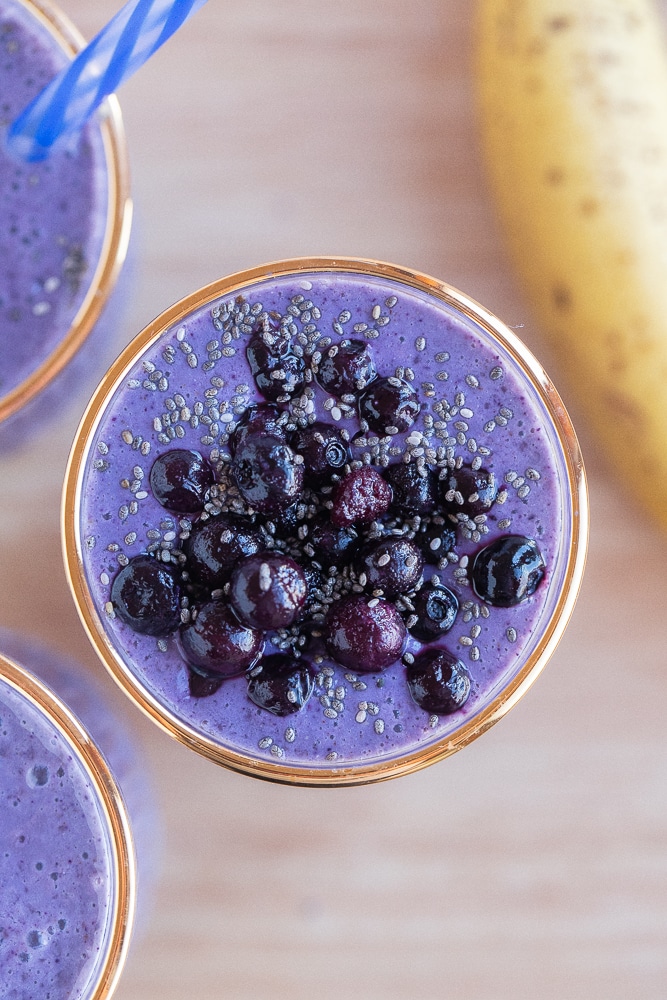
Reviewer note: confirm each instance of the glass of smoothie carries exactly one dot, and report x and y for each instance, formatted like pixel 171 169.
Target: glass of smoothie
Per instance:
pixel 325 520
pixel 67 854
pixel 64 231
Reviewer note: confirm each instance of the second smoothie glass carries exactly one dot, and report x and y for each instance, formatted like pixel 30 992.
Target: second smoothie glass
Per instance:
pixel 56 328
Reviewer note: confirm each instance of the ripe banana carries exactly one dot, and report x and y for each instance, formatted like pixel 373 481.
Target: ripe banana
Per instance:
pixel 573 104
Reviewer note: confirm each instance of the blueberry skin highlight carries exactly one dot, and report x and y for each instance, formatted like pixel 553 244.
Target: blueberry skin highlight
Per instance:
pixel 267 472
pixel 348 367
pixel 180 480
pixel 218 643
pixel 390 564
pixel 436 609
pixel 438 682
pixel 389 402
pixel 280 684
pixel 145 595
pixel 364 636
pixel 507 571
pixel 215 547
pixel 268 590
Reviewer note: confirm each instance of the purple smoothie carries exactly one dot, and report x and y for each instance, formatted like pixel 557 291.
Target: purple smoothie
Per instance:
pixel 59 867
pixel 57 246
pixel 190 387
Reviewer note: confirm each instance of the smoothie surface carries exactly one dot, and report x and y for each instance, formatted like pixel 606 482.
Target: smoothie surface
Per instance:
pixel 53 214
pixel 189 389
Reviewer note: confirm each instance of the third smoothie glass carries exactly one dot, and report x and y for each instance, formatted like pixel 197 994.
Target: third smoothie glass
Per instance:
pixel 64 231
pixel 483 405
pixel 68 861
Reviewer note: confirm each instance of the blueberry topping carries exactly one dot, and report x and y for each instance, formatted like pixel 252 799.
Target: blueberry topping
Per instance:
pixel 507 571
pixel 364 635
pixel 314 582
pixel 145 595
pixel 286 522
pixel 324 451
pixel 180 480
pixel 278 370
pixel 203 685
pixel 468 491
pixel 347 368
pixel 361 497
pixel 389 406
pixel 332 545
pixel 268 590
pixel 392 565
pixel 260 418
pixel 267 472
pixel 438 682
pixel 218 643
pixel 311 537
pixel 281 684
pixel 436 537
pixel 415 489
pixel 215 546
pixel 436 609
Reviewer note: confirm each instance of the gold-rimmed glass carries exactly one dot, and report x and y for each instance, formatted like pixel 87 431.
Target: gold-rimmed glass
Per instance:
pixel 565 576
pixel 55 718
pixel 103 276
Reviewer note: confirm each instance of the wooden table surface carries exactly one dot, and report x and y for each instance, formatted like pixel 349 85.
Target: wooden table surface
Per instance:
pixel 531 865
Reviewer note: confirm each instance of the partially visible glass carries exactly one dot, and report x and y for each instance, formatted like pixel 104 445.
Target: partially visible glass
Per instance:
pixel 77 814
pixel 64 233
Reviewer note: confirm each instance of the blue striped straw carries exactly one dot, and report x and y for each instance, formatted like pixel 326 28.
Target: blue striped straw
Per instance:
pixel 66 104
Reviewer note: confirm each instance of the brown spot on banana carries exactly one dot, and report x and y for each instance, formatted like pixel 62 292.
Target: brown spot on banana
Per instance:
pixel 559 23
pixel 562 297
pixel 631 420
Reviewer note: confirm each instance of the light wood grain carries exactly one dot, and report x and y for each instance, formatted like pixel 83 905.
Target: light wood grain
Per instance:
pixel 532 864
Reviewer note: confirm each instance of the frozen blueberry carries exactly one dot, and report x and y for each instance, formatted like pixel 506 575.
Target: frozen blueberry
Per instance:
pixel 332 545
pixel 507 571
pixel 203 685
pixel 389 405
pixel 314 581
pixel 277 369
pixel 215 546
pixel 259 418
pixel 268 590
pixel 468 491
pixel 218 643
pixel 364 635
pixel 180 480
pixel 280 683
pixel 145 595
pixel 347 368
pixel 438 682
pixel 415 489
pixel 360 497
pixel 436 609
pixel 392 564
pixel 267 473
pixel 436 537
pixel 323 448
pixel 286 522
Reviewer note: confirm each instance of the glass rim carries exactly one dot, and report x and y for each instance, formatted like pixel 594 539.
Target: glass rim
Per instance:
pixel 114 814
pixel 117 226
pixel 500 704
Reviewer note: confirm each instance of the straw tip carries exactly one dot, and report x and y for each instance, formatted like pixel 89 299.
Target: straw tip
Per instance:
pixel 25 147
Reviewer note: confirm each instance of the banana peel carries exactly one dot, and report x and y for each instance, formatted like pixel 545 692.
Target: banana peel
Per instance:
pixel 573 109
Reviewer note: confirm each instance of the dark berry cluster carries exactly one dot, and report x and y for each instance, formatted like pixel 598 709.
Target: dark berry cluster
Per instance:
pixel 294 551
